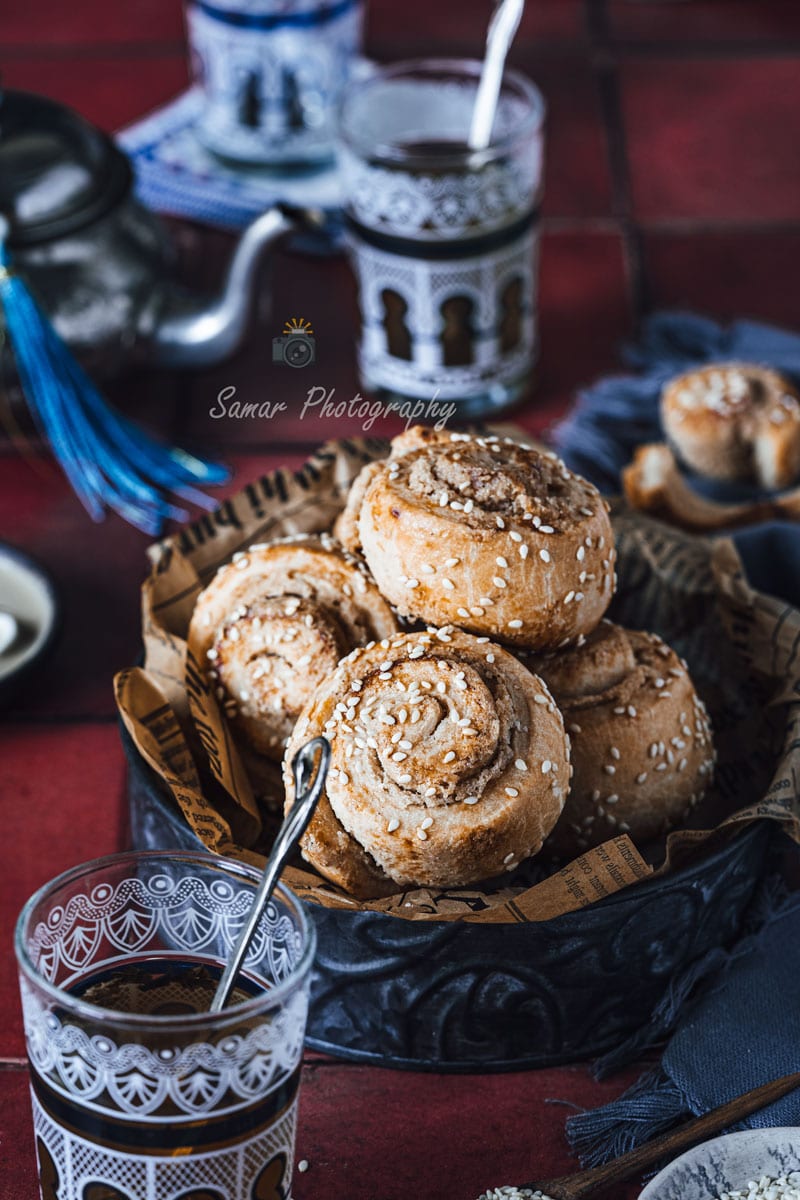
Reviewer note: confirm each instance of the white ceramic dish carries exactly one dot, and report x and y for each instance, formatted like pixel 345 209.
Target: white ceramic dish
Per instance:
pixel 727 1164
pixel 26 593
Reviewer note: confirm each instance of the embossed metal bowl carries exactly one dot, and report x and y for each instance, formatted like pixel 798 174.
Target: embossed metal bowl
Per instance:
pixel 452 996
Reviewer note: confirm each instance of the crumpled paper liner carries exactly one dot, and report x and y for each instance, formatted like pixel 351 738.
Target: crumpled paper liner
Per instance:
pixel 742 648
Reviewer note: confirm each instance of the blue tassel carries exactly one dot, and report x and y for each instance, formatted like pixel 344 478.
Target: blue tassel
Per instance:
pixel 650 1107
pixel 109 462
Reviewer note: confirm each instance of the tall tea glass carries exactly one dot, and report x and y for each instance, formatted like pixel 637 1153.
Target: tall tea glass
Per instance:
pixel 138 1091
pixel 444 240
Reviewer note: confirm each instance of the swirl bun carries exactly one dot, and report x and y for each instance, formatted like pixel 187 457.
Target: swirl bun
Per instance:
pixel 491 536
pixel 450 764
pixel 274 623
pixel 641 739
pixel 735 421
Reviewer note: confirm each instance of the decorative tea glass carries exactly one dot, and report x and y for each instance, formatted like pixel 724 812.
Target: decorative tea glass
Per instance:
pixel 444 240
pixel 138 1091
pixel 272 73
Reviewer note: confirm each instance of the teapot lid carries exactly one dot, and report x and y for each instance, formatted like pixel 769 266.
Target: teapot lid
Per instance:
pixel 57 171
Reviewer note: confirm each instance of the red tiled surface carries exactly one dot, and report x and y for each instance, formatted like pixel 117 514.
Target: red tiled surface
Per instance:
pixel 713 140
pixel 706 21
pixel 746 273
pixel 672 180
pixel 111 91
pixel 63 803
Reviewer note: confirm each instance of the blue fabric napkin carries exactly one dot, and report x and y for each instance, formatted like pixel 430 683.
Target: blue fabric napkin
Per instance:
pixel 609 420
pixel 742 1030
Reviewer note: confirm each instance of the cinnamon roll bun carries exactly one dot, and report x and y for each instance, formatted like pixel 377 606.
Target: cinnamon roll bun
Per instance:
pixel 274 623
pixel 489 535
pixel 450 764
pixel 735 421
pixel 642 753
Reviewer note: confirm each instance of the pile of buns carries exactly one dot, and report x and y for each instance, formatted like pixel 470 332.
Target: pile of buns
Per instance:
pixel 449 640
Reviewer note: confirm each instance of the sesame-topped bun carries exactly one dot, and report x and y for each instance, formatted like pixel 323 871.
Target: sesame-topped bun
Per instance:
pixel 735 421
pixel 641 739
pixel 274 622
pixel 495 537
pixel 449 764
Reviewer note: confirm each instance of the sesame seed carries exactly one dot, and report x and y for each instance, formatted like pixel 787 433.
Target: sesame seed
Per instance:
pixel 509 857
pixel 546 529
pixel 448 583
pixel 302 1166
pixel 547 766
pixel 212 654
pixel 540 699
pixel 469 730
pixel 403 779
pixel 515 537
pixel 448 758
pixel 581 554
pixel 544 555
pixel 523 551
pixel 471 799
pixel 498 581
pixel 399 756
pixel 515 624
pixel 501 561
pixel 422 835
pixel 500 522
pixel 393 824
pixel 428 569
pixel 614 753
pixel 569 596
pixel 477 611
pixel 609 770
pixel 575 728
pixel 641 778
pixel 490 658
pixel 426 824
pixel 631 711
pixel 405 744
pixel 452 562
pixel 512 791
pixel 412 583
pixel 613 799
pixel 520 764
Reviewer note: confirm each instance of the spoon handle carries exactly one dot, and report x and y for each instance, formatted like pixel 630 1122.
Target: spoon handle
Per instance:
pixel 308 785
pixel 502 27
pixel 584 1183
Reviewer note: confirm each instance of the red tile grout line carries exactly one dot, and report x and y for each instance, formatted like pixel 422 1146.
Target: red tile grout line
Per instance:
pixel 605 68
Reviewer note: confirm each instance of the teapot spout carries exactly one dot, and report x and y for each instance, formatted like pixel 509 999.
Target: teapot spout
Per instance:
pixel 190 331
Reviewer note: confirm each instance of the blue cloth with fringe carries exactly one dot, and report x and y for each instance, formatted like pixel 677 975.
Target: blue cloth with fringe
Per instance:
pixel 742 1029
pixel 617 414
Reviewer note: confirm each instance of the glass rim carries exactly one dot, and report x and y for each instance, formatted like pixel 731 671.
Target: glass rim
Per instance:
pixel 163 1022
pixel 390 153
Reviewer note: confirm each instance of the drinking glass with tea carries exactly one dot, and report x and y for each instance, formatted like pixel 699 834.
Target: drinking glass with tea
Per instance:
pixel 444 239
pixel 137 1089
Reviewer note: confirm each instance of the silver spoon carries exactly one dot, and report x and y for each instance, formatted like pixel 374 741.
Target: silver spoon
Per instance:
pixel 502 29
pixel 309 773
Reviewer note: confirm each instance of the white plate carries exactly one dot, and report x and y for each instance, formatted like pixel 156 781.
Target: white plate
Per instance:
pixel 727 1163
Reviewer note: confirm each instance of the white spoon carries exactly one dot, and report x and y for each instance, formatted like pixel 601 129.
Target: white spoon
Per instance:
pixel 502 28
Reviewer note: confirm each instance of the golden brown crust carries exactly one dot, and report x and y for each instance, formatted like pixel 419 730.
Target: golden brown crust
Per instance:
pixel 641 740
pixel 735 421
pixel 491 536
pixel 449 764
pixel 274 623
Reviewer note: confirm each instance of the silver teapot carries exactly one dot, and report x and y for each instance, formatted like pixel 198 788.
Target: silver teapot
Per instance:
pixel 101 264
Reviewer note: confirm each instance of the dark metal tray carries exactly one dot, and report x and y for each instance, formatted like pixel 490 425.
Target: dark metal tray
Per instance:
pixel 451 996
